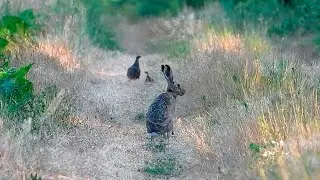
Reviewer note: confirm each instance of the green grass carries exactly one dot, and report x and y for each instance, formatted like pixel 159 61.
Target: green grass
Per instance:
pixel 165 164
pixel 173 49
pixel 35 177
pixel 297 19
pixel 156 146
pixel 140 116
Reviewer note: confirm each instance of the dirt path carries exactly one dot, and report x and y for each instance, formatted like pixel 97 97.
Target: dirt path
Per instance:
pixel 114 104
pixel 111 142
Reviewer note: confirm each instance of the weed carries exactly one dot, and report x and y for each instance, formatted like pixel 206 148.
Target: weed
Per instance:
pixel 174 49
pixel 165 164
pixel 101 33
pixel 156 146
pixel 140 116
pixel 35 177
pixel 18 30
pixel 15 90
pixel 299 18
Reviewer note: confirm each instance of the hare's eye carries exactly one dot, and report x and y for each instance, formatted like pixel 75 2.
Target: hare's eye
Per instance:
pixel 178 85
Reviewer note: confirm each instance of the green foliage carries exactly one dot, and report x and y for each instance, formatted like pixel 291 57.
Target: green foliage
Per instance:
pixel 256 148
pixel 15 89
pixel 196 4
pixel 14 30
pixel 178 49
pixel 140 116
pixel 35 177
pixel 158 7
pixel 276 73
pixel 156 146
pixel 302 17
pixel 100 32
pixel 172 48
pixel 17 99
pixel 163 165
pixel 102 15
pixel 23 24
pixel 317 41
pixel 297 18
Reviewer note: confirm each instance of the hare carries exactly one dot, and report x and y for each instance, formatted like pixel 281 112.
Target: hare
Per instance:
pixel 134 70
pixel 148 78
pixel 161 111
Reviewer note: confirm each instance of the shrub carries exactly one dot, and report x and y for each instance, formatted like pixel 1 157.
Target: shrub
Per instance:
pixel 158 7
pixel 101 33
pixel 296 18
pixel 16 31
pixel 15 90
pixel 196 4
pixel 18 100
pixel 173 48
pixel 163 165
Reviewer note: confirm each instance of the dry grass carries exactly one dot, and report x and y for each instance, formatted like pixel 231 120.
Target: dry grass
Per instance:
pixel 240 89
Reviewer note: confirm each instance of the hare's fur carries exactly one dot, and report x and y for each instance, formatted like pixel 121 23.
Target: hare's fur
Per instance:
pixel 161 111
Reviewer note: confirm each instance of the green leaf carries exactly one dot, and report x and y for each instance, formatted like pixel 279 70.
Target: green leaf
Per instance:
pixel 13 23
pixel 28 17
pixel 3 44
pixel 4 66
pixel 255 148
pixel 4 32
pixel 3 75
pixel 21 72
pixel 7 87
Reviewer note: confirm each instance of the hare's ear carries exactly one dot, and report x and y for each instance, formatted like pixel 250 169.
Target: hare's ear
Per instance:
pixel 166 70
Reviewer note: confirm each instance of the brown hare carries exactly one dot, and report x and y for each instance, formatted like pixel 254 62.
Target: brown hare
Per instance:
pixel 161 111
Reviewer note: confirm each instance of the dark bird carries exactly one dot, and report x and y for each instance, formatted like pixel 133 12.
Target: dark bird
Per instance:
pixel 134 71
pixel 148 78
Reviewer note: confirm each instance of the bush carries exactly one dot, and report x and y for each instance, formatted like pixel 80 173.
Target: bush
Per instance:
pixel 196 4
pixel 281 19
pixel 16 31
pixel 18 100
pixel 158 7
pixel 15 90
pixel 23 24
pixel 101 33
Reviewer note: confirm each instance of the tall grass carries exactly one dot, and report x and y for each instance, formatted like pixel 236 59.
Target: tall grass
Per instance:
pixel 252 92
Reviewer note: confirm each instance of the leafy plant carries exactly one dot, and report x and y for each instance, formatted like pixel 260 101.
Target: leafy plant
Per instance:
pixel 281 19
pixel 140 116
pixel 101 32
pixel 18 101
pixel 173 48
pixel 156 146
pixel 35 177
pixel 163 165
pixel 16 30
pixel 15 89
pixel 256 148
pixel 158 7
